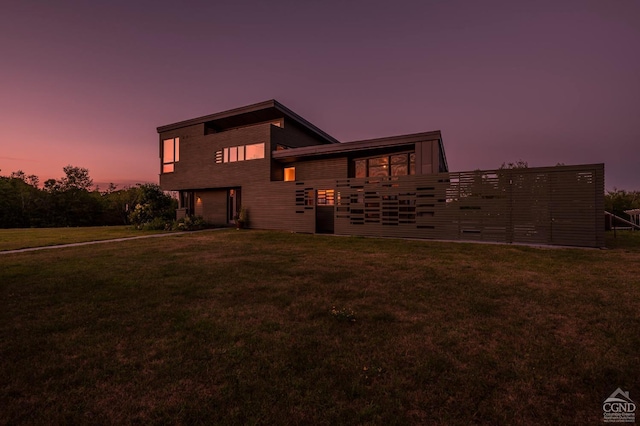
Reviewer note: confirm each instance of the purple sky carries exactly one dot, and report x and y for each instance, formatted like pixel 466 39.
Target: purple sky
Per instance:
pixel 87 83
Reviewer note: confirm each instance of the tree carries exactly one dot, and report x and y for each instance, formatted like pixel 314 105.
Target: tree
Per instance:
pixel 619 200
pixel 76 178
pixel 152 203
pixel 18 201
pixel 520 164
pixel 69 201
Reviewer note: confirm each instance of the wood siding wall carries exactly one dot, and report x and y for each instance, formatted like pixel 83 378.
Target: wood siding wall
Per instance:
pixel 292 136
pixel 427 157
pixel 197 168
pixel 555 205
pixel 212 206
pixel 336 168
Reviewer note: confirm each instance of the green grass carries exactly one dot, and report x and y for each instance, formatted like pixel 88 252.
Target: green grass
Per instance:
pixel 623 240
pixel 255 327
pixel 13 239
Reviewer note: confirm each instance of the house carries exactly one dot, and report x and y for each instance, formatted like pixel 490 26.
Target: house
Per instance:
pixel 290 175
pixel 261 155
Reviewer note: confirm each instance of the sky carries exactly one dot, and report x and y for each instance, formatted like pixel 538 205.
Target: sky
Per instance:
pixel 546 82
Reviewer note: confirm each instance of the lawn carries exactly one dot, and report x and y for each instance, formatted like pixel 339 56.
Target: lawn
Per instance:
pixel 13 239
pixel 256 327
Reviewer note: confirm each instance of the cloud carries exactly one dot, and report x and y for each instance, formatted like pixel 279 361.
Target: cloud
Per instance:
pixel 18 159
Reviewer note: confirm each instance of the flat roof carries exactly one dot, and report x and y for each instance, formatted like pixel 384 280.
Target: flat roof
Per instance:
pixel 262 111
pixel 362 145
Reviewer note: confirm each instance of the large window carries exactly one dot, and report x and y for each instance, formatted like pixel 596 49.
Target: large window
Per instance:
pixel 240 153
pixel 170 154
pixel 388 165
pixel 255 151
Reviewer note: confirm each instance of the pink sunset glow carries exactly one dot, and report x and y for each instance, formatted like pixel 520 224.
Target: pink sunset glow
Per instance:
pixel 547 82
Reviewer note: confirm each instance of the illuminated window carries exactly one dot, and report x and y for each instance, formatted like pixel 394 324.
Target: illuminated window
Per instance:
pixel 170 154
pixel 289 174
pixel 240 153
pixel 255 151
pixel 399 165
pixel 325 197
pixel 378 166
pixel 388 165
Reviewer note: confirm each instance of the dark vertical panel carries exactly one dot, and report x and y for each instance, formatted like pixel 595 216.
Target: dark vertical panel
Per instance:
pixel 418 148
pixel 426 159
pixel 435 156
pixel 325 219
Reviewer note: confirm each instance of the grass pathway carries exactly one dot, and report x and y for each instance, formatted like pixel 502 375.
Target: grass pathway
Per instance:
pixel 113 240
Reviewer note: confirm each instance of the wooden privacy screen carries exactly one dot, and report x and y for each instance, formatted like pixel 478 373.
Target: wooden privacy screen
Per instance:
pixel 560 205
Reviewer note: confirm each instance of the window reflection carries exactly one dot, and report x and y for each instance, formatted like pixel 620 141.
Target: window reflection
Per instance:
pixel 170 154
pixel 240 153
pixel 255 151
pixel 386 165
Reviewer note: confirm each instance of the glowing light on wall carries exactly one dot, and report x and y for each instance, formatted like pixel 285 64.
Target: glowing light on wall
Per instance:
pixel 289 174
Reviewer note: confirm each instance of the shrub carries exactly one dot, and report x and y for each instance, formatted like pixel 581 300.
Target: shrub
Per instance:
pixel 156 224
pixel 152 203
pixel 190 223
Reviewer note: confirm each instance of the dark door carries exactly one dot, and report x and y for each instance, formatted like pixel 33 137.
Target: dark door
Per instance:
pixel 233 204
pixel 187 202
pixel 325 211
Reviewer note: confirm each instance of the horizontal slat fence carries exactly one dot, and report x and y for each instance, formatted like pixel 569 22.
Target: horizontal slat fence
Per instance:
pixel 560 205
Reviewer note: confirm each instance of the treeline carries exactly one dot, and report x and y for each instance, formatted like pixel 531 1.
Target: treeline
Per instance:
pixel 619 200
pixel 72 201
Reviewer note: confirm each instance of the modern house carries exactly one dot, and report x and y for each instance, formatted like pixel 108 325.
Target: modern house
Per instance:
pixel 290 175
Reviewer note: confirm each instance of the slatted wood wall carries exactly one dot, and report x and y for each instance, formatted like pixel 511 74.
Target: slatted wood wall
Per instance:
pixel 560 205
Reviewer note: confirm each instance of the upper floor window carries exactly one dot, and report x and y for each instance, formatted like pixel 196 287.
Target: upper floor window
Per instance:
pixel 255 151
pixel 240 153
pixel 170 154
pixel 387 165
pixel 289 174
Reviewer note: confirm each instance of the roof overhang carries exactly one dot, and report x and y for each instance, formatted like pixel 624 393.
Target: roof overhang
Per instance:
pixel 293 154
pixel 252 114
